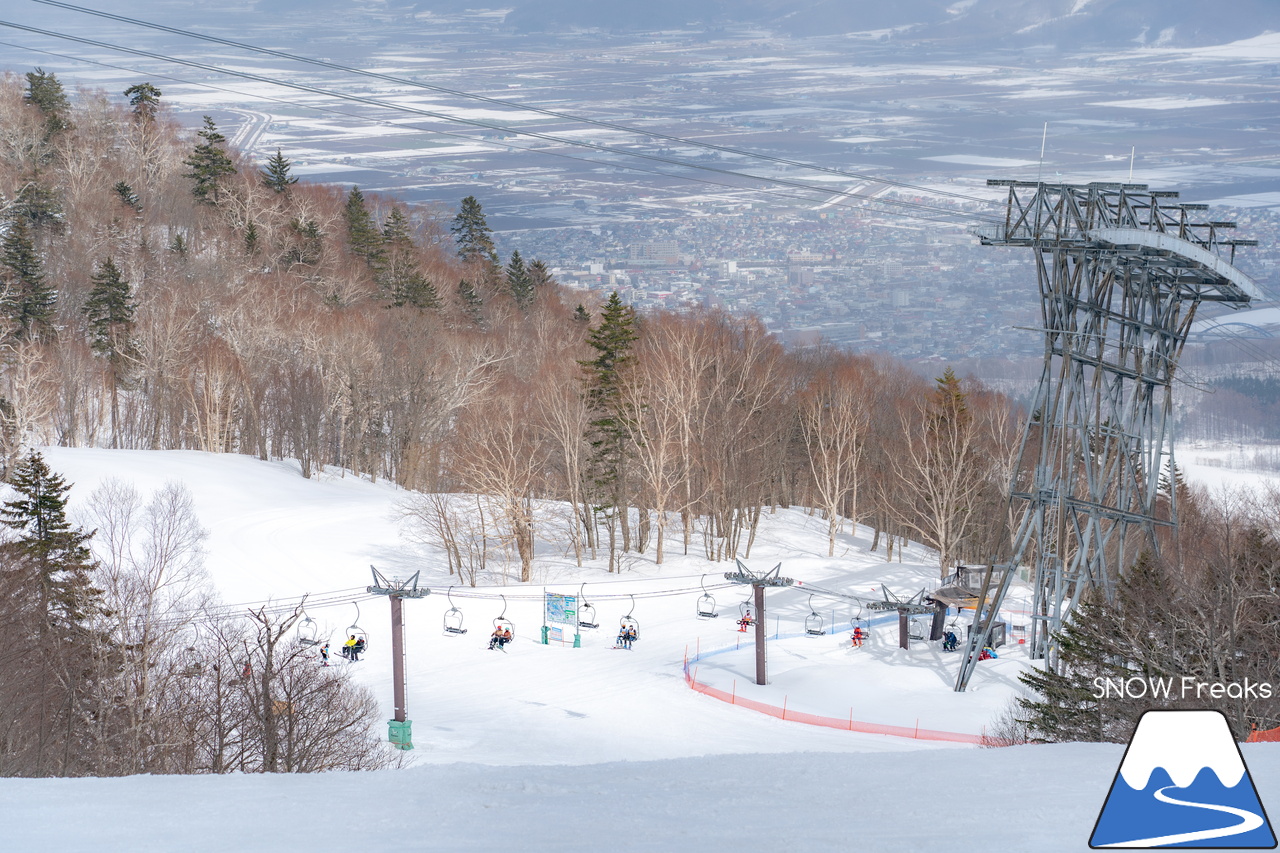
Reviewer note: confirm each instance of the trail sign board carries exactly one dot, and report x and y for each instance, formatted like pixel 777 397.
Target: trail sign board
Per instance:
pixel 561 608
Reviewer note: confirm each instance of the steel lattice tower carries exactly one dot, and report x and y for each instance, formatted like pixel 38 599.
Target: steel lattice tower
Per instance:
pixel 1121 271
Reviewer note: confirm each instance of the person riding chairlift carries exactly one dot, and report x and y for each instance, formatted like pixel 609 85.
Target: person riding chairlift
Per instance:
pixel 627 636
pixel 746 620
pixel 858 636
pixel 349 650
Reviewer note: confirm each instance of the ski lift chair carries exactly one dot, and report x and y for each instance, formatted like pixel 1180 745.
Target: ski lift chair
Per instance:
pixel 813 622
pixel 453 617
pixel 706 603
pixel 308 631
pixel 858 623
pixel 586 612
pixel 629 622
pixel 503 622
pixel 354 630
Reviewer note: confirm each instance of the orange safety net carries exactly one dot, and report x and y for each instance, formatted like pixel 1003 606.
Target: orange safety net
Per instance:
pixel 1264 736
pixel 850 724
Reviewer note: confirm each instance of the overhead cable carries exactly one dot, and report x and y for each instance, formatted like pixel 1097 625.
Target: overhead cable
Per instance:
pixel 403 81
pixel 546 137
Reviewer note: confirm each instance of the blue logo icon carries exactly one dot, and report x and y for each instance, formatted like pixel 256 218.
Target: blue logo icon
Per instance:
pixel 1183 783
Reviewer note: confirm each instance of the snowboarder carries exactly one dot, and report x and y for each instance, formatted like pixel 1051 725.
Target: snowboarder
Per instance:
pixel 496 639
pixel 324 655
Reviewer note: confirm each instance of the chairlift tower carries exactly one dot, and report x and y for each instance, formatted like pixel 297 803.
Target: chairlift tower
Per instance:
pixel 399 727
pixel 758 582
pixel 916 605
pixel 1121 270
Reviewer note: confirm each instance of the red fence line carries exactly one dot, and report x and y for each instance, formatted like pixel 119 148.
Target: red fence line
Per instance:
pixel 851 725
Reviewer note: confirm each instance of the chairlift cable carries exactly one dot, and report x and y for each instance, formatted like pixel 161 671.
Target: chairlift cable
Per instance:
pixel 389 78
pixel 576 143
pixel 1235 338
pixel 769 191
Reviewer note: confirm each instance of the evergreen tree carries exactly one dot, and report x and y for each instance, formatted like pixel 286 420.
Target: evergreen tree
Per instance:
pixel 540 276
pixel 128 196
pixel 45 92
pixel 145 100
pixel 397 233
pixel 948 399
pixel 276 176
pixel 472 304
pixel 30 303
pixel 472 233
pixel 399 275
pixel 109 310
pixel 581 315
pixel 417 290
pixel 519 283
pixel 53 550
pixel 1173 483
pixel 362 234
pixel 209 164
pixel 1133 636
pixel 251 239
pixel 612 341
pixel 1067 707
pixel 308 247
pixel 38 204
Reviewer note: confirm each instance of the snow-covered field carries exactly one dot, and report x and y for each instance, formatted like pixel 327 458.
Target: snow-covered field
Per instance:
pixel 550 747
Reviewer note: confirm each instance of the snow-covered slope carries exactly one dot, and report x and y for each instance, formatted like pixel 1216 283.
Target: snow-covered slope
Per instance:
pixel 1039 799
pixel 276 535
pixel 562 748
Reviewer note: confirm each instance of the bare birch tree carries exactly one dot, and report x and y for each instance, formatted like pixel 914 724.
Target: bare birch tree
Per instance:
pixel 939 473
pixel 835 411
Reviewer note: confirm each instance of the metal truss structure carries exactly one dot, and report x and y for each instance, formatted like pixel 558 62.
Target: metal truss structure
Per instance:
pixel 1121 270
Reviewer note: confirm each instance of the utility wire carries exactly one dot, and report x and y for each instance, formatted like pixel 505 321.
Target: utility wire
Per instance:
pixel 1236 339
pixel 546 137
pixel 770 191
pixel 723 149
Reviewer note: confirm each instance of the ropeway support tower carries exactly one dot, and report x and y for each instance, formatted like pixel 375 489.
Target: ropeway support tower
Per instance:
pixel 1121 270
